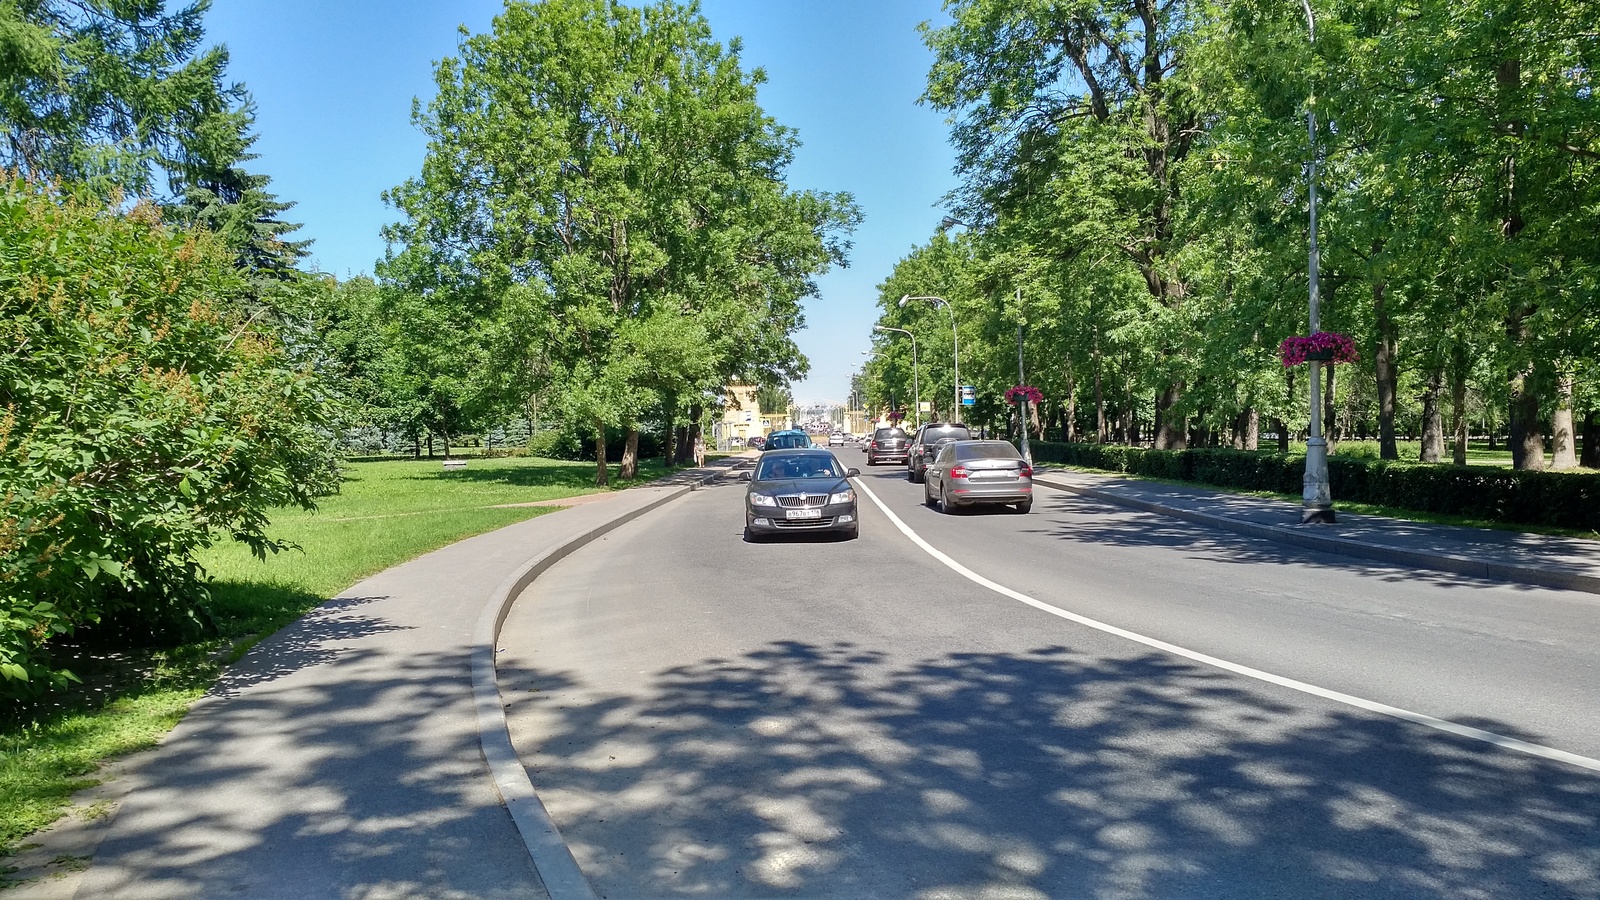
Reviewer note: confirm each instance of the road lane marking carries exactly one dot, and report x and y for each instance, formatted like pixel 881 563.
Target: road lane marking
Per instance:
pixel 1466 731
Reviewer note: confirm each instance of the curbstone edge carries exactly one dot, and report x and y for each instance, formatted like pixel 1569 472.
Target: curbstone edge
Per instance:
pixel 547 850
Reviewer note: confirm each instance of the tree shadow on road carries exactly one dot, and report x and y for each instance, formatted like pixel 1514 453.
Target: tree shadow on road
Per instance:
pixel 804 770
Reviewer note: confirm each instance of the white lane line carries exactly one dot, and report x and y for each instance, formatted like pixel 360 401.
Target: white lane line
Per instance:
pixel 1466 731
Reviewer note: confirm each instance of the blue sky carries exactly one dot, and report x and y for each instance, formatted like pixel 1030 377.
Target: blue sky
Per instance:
pixel 333 82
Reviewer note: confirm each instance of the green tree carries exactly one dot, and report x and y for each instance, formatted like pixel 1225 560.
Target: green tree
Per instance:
pixel 613 164
pixel 1042 88
pixel 143 419
pixel 109 93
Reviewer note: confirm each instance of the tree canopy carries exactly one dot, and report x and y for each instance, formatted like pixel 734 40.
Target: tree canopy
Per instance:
pixel 602 214
pixel 1134 172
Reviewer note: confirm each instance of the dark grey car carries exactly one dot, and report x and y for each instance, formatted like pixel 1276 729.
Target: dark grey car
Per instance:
pixel 966 473
pixel 887 445
pixel 795 491
pixel 925 446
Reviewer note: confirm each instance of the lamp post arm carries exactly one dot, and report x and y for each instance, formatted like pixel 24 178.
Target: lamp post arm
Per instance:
pixel 916 379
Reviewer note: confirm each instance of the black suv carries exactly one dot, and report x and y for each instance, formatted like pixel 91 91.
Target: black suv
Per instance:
pixel 925 446
pixel 887 444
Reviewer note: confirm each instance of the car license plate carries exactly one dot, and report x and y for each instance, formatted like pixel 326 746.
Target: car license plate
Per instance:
pixel 995 476
pixel 804 513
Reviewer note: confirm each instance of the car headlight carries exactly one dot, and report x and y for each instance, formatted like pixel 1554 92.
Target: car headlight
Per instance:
pixel 763 500
pixel 844 496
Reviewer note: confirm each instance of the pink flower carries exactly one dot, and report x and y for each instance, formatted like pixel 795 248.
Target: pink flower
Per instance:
pixel 1327 346
pixel 1033 394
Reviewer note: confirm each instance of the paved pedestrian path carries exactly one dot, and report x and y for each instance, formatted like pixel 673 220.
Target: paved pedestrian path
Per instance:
pixel 1560 562
pixel 341 756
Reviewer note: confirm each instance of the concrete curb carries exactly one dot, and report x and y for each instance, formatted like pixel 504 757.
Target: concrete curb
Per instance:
pixel 1295 536
pixel 551 858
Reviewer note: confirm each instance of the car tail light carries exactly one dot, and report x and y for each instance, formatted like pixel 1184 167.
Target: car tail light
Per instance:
pixel 958 472
pixel 873 445
pixel 1027 472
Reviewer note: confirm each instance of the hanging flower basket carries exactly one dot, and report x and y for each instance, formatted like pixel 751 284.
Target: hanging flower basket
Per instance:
pixel 1324 346
pixel 896 415
pixel 1032 394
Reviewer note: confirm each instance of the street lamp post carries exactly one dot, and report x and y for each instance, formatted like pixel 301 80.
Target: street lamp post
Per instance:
pixel 1317 497
pixel 1022 402
pixel 916 382
pixel 955 345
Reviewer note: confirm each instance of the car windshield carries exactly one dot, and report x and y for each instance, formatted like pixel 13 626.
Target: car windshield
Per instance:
pixel 809 466
pixel 988 450
pixel 887 433
pixel 946 433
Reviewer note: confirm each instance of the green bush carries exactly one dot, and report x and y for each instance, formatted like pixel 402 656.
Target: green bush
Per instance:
pixel 141 418
pixel 1558 499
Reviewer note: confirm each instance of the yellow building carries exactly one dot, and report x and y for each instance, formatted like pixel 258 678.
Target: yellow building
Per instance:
pixel 741 416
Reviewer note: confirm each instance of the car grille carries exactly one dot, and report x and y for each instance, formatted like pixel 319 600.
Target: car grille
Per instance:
pixel 803 500
pixel 825 522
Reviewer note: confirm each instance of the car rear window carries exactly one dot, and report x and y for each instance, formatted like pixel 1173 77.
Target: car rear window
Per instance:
pixel 947 433
pixel 883 433
pixel 789 442
pixel 988 450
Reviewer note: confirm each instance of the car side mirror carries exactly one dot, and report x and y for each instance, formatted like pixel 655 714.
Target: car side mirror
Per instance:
pixel 745 476
pixel 851 473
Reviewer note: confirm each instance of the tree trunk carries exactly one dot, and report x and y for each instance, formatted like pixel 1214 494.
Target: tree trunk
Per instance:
pixel 1458 413
pixel 630 456
pixel 1170 433
pixel 1563 447
pixel 602 477
pixel 1099 395
pixel 446 438
pixel 1384 368
pixel 416 445
pixel 1069 432
pixel 1249 429
pixel 690 435
pixel 684 449
pixel 430 445
pixel 1432 421
pixel 1282 428
pixel 1591 440
pixel 1527 437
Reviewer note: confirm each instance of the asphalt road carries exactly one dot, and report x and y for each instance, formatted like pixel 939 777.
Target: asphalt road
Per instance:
pixel 705 717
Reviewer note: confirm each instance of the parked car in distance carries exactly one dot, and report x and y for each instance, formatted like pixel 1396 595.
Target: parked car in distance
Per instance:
pixel 887 445
pixel 757 442
pixel 966 473
pixel 926 445
pixel 836 439
pixel 793 491
pixel 787 440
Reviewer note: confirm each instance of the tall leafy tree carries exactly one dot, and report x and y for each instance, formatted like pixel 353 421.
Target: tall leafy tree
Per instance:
pixel 1042 86
pixel 613 162
pixel 109 93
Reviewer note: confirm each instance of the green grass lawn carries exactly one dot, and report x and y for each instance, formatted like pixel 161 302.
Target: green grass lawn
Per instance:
pixel 386 513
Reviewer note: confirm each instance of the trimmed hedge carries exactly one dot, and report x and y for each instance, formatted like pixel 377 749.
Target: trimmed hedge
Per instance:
pixel 1558 499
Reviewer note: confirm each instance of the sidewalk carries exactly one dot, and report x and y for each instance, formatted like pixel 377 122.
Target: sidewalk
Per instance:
pixel 339 757
pixel 1532 559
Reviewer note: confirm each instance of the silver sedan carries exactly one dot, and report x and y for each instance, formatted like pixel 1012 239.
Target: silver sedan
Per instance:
pixel 967 473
